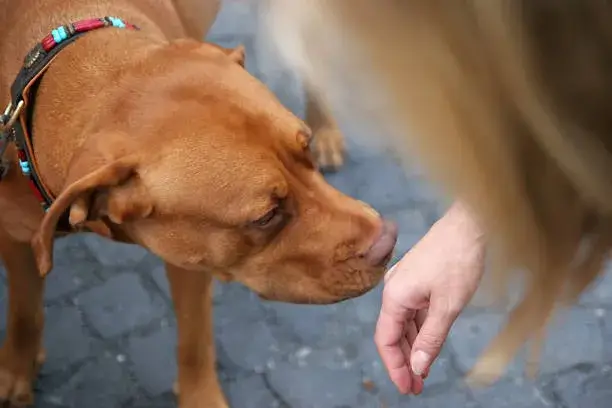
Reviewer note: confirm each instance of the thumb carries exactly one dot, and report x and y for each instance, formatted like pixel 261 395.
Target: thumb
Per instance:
pixel 430 339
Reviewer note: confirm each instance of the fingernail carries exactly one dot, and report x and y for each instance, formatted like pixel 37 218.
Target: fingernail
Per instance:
pixel 419 362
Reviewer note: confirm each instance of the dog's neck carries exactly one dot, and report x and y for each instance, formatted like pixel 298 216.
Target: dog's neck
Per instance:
pixel 78 91
pixel 79 83
pixel 24 23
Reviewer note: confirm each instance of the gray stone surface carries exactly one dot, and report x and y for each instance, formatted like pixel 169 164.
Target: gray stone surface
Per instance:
pixel 513 393
pixel 100 383
pixel 66 335
pixel 153 359
pixel 120 304
pixel 471 334
pixel 113 254
pixel 251 392
pixel 110 333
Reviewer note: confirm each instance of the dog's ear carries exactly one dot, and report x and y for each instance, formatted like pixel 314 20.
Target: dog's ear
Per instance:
pixel 238 54
pixel 102 181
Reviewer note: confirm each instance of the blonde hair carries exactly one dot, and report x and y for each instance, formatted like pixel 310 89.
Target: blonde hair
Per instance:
pixel 507 104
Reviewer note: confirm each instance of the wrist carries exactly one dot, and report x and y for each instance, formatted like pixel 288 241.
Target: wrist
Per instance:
pixel 461 218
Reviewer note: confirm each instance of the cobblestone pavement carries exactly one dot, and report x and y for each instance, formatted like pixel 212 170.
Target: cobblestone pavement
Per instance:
pixel 111 332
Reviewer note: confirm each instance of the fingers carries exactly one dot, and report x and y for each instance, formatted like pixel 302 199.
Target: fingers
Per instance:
pixel 419 319
pixel 395 334
pixel 396 331
pixel 411 335
pixel 392 345
pixel 393 348
pixel 432 335
pixel 417 384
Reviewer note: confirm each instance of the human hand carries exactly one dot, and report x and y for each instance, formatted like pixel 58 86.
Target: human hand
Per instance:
pixel 423 295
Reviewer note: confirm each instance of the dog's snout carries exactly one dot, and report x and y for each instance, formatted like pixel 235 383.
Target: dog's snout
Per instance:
pixel 381 250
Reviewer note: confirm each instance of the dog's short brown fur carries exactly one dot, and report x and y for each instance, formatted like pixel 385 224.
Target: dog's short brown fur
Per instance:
pixel 508 102
pixel 156 138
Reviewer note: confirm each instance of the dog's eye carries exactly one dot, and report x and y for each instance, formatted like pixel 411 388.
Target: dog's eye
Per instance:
pixel 267 219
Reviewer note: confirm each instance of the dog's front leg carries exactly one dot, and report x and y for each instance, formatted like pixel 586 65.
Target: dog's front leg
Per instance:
pixel 198 385
pixel 328 142
pixel 21 353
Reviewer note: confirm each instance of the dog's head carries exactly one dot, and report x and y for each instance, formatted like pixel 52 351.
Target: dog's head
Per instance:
pixel 200 163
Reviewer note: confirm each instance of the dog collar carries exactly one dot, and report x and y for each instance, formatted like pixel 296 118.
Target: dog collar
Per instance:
pixel 16 122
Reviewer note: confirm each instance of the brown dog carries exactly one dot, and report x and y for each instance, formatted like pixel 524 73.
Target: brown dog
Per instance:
pixel 148 137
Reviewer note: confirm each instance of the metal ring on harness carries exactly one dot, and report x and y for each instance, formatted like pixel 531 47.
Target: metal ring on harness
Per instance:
pixel 13 114
pixel 7 120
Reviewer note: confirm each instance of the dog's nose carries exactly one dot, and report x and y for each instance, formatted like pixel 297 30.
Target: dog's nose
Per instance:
pixel 381 250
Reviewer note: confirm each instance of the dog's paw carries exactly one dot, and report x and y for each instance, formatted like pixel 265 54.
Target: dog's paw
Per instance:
pixel 16 378
pixel 328 149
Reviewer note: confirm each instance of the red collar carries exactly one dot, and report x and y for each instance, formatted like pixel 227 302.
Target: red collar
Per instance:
pixel 15 123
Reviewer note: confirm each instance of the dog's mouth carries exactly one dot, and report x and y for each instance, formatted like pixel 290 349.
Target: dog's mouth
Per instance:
pixel 330 294
pixel 387 259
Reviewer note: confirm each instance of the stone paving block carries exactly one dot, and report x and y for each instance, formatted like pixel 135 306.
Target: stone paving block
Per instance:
pixel 470 335
pixel 442 371
pixel 119 305
pixel 161 280
pixel 217 291
pixel 383 184
pixel 274 73
pixel 45 401
pixel 315 326
pixel 512 394
pixel 605 318
pixel 426 192
pixel 251 392
pixel 376 375
pixel 244 338
pixel 251 61
pixel 441 398
pixel 574 338
pixel 236 18
pixel 74 268
pixel 286 87
pixel 101 383
pixel 455 397
pixel 236 303
pixel 578 389
pixel 600 292
pixel 113 254
pixel 344 180
pixel 412 227
pixel 166 400
pixel 65 338
pixel 316 385
pixel 248 344
pixel 366 307
pixel 154 360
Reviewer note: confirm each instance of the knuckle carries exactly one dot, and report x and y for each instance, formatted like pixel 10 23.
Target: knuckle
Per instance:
pixel 431 341
pixel 453 310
